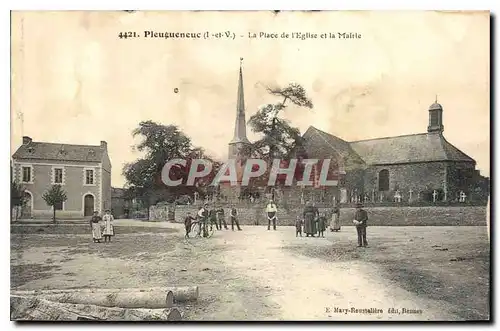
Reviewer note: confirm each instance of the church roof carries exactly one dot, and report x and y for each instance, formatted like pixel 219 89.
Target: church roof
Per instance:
pixel 59 152
pixel 435 106
pixel 320 144
pixel 240 131
pixel 423 147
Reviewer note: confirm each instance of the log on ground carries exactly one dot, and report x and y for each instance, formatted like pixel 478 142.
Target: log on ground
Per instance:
pixel 181 293
pixel 120 299
pixel 36 309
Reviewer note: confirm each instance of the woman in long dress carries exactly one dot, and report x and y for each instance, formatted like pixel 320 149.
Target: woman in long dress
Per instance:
pixel 309 220
pixel 335 223
pixel 96 227
pixel 108 226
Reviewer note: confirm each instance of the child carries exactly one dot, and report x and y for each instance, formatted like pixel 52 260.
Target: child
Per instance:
pixel 187 224
pixel 108 231
pixel 321 225
pixel 298 226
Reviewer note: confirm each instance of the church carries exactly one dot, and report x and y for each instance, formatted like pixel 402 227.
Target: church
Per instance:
pixel 422 167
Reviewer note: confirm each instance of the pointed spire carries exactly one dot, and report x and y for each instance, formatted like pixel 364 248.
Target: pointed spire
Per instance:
pixel 436 99
pixel 240 132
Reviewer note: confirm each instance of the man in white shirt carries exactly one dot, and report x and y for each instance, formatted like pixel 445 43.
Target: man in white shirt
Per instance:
pixel 271 211
pixel 202 219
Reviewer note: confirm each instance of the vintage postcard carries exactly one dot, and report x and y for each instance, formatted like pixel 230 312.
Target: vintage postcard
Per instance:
pixel 250 166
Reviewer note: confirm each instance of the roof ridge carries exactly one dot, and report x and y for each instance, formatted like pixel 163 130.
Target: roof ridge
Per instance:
pixel 64 144
pixel 327 133
pixel 391 137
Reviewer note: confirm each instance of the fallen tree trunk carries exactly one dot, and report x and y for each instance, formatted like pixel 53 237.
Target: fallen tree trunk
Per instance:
pixel 181 293
pixel 36 309
pixel 151 300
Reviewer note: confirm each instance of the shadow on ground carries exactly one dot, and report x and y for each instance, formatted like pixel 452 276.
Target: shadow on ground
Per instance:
pixel 446 264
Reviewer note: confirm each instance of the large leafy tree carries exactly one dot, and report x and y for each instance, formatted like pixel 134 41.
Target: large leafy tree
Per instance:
pixel 279 140
pixel 160 143
pixel 54 197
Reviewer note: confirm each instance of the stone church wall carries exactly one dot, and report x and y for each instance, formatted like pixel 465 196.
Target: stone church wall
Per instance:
pixel 378 216
pixel 418 177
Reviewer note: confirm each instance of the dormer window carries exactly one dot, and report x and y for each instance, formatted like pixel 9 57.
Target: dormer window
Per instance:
pixel 91 152
pixel 62 151
pixel 31 150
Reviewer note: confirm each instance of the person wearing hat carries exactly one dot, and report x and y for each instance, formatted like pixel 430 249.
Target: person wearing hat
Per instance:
pixel 360 221
pixel 234 218
pixel 221 218
pixel 108 226
pixel 212 217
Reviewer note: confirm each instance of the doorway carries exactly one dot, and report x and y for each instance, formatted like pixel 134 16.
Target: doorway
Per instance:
pixel 88 205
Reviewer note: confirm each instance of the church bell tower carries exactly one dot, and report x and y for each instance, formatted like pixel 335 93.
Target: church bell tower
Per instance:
pixel 435 118
pixel 240 139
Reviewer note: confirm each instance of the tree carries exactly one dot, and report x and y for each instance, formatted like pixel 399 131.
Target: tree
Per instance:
pixel 17 197
pixel 54 197
pixel 160 143
pixel 279 139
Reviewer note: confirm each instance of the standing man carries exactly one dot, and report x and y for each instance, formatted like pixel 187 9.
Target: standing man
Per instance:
pixel 221 218
pixel 234 219
pixel 271 211
pixel 360 220
pixel 202 220
pixel 212 215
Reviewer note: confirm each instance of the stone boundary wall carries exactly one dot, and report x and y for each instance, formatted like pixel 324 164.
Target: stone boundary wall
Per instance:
pixel 381 216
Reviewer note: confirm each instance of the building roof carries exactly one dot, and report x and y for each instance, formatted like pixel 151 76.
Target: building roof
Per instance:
pixel 435 106
pixel 423 147
pixel 315 139
pixel 60 152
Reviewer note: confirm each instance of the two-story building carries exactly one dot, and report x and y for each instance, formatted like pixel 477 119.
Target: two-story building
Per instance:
pixel 83 171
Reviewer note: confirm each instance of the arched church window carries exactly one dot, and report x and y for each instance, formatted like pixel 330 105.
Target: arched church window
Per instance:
pixel 383 180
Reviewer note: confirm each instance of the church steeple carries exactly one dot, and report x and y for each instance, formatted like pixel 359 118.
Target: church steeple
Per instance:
pixel 435 118
pixel 240 131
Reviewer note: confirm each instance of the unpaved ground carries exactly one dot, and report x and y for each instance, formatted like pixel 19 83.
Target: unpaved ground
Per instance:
pixel 257 274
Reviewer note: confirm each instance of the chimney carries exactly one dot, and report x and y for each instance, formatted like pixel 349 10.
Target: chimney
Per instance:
pixel 104 144
pixel 26 140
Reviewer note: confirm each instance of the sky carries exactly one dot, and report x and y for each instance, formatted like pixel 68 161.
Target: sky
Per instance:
pixel 76 82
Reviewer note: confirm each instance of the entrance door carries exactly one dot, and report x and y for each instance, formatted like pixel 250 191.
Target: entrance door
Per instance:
pixel 88 205
pixel 26 209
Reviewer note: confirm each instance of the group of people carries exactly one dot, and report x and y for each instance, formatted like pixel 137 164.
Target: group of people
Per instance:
pixel 315 223
pixel 214 217
pixel 102 227
pixel 311 222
